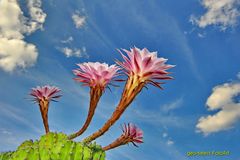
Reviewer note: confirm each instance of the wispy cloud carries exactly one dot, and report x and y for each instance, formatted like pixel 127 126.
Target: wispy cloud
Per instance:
pixel 14 51
pixel 159 119
pixel 162 117
pixel 223 13
pixel 170 27
pixel 5 131
pixel 222 98
pixel 68 40
pixel 173 105
pixel 8 139
pixel 17 116
pixel 146 26
pixel 11 138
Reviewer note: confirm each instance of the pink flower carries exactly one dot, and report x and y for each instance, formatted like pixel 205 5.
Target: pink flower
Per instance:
pixel 95 74
pixel 45 93
pixel 146 65
pixel 132 133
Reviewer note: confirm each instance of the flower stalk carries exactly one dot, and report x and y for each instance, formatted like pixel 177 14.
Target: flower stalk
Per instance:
pixel 43 106
pixel 118 142
pixel 132 87
pixel 95 95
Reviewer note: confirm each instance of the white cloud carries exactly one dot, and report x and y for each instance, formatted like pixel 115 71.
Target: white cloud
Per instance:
pixel 13 24
pixel 74 52
pixel 11 20
pixel 37 15
pixel 201 35
pixel 78 20
pixel 221 98
pixel 170 142
pixel 14 51
pixel 222 95
pixel 164 135
pixel 223 13
pixel 5 131
pixel 173 105
pixel 68 40
pixel 238 75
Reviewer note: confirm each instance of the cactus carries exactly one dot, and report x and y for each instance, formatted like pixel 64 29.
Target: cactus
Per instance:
pixel 55 146
pixel 141 67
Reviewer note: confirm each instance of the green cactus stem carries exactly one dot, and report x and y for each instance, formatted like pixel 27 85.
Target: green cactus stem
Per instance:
pixel 55 146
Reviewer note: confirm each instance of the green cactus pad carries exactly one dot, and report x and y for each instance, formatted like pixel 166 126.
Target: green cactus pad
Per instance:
pixel 55 146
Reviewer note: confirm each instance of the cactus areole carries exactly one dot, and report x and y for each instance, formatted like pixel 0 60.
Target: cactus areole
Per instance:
pixel 141 68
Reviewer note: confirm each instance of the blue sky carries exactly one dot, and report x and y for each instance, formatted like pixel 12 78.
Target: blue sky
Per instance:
pixel 197 111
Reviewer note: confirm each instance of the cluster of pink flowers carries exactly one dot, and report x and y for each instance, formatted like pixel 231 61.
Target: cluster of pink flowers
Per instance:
pixel 142 67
